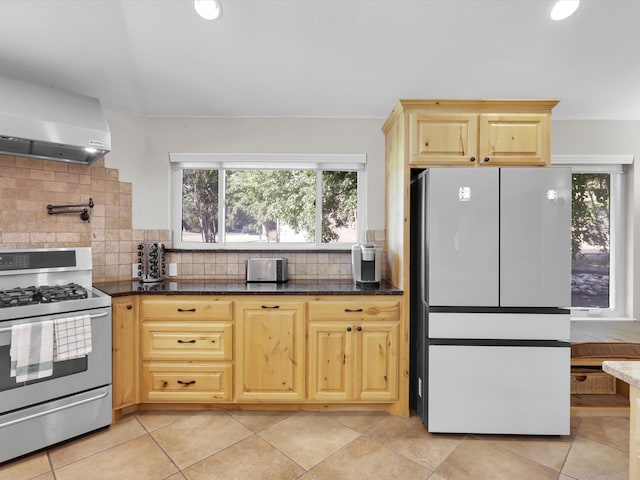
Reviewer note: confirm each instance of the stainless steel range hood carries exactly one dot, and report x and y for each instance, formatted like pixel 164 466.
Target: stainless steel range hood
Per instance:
pixel 37 121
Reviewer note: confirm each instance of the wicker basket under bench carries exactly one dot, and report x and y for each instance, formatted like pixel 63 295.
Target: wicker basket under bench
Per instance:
pixel 592 342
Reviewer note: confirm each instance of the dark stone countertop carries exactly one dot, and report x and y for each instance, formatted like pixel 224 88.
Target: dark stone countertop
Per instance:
pixel 234 287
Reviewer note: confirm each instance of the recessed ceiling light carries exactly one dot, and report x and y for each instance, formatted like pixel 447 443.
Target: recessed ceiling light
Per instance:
pixel 208 9
pixel 564 8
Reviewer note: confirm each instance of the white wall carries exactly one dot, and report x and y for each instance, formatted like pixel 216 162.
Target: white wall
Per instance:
pixel 141 147
pixel 618 138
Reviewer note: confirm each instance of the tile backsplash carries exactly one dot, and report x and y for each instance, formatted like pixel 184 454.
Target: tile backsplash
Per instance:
pixel 28 185
pixel 302 265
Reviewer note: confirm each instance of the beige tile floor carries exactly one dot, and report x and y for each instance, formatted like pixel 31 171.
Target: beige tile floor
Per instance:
pixel 215 445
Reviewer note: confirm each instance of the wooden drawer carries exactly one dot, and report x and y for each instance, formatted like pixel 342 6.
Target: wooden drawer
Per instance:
pixel 195 382
pixel 183 307
pixel 340 310
pixel 163 340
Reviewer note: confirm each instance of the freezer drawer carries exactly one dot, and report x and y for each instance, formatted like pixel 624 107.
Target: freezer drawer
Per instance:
pixel 504 325
pixel 498 389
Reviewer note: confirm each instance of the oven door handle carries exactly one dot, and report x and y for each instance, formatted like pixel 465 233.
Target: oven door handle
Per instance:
pixel 102 394
pixel 97 315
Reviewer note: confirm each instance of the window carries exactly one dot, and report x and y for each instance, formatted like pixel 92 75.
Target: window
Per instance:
pixel 267 201
pixel 597 234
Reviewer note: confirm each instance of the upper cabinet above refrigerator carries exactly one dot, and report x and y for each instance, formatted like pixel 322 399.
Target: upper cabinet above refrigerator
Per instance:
pixel 498 237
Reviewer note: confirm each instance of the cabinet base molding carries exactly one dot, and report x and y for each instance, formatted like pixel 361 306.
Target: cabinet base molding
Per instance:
pixel 288 407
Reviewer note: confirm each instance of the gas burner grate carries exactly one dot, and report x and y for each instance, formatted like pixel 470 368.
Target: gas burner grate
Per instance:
pixel 58 293
pixel 16 297
pixel 19 296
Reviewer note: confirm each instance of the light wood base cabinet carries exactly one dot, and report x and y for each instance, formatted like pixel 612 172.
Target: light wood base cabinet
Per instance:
pixel 186 349
pixel 634 435
pixel 354 358
pixel 270 350
pixel 125 348
pixel 267 352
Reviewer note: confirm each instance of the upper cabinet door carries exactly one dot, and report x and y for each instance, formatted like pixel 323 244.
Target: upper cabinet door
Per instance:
pixel 535 237
pixel 514 139
pixel 462 236
pixel 443 138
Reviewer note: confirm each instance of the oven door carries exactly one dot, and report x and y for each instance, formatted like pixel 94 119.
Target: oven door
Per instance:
pixel 69 377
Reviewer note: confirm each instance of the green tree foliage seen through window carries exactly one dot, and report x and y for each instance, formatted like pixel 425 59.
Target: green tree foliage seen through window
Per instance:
pixel 260 204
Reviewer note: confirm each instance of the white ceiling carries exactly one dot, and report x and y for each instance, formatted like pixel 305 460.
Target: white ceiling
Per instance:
pixel 326 58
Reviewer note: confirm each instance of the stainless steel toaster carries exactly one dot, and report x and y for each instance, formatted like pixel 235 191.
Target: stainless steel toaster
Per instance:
pixel 267 270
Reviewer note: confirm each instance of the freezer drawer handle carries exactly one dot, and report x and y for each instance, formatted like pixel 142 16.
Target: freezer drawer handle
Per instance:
pixel 53 410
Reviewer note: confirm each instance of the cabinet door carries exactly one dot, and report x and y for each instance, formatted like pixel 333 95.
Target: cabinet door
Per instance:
pixel 443 139
pixel 270 350
pixel 376 361
pixel 330 361
pixel 125 351
pixel 462 236
pixel 514 139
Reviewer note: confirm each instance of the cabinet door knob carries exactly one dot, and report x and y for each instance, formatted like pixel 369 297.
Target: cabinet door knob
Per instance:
pixel 348 329
pixel 129 307
pixel 359 329
pixel 486 159
pixel 472 159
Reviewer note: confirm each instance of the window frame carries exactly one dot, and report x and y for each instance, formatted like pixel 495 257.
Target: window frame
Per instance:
pixel 618 204
pixel 264 161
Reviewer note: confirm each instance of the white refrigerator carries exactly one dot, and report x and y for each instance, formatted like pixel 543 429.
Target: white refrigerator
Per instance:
pixel 490 298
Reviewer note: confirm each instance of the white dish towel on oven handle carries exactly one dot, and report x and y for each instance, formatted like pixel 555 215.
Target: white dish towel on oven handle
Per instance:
pixel 31 350
pixel 72 337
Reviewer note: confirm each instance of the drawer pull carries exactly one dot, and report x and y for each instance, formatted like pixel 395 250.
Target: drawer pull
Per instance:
pixel 190 382
pixel 270 306
pixel 353 310
pixel 187 309
pixel 186 341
